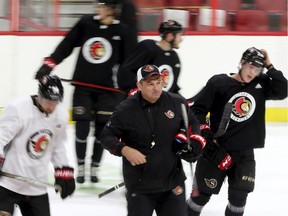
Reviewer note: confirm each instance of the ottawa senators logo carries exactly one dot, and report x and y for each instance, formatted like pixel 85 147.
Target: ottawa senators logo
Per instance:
pixel 211 183
pixel 97 50
pixel 37 144
pixel 243 106
pixel 178 190
pixel 167 76
pixel 170 114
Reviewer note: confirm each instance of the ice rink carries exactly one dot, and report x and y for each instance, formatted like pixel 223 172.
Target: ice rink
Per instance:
pixel 270 196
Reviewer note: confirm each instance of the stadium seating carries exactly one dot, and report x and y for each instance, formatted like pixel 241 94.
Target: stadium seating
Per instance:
pixel 251 20
pixel 150 14
pixel 229 5
pixel 268 5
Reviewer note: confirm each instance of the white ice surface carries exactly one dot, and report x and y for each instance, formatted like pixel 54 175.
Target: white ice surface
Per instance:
pixel 270 196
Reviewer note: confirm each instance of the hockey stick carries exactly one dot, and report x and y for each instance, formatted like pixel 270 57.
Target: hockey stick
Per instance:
pixel 225 120
pixel 185 119
pixel 93 86
pixel 30 181
pixel 111 189
pixel 186 124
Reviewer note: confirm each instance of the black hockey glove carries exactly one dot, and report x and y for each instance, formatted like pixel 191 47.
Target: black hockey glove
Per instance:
pixel 46 68
pixel 217 155
pixel 192 154
pixel 206 132
pixel 64 177
pixel 179 141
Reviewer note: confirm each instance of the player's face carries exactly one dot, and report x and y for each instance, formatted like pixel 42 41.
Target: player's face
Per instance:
pixel 103 11
pixel 151 89
pixel 47 106
pixel 249 72
pixel 178 40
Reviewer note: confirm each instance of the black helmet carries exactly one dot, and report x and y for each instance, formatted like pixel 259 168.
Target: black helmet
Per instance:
pixel 50 87
pixel 115 4
pixel 254 56
pixel 170 26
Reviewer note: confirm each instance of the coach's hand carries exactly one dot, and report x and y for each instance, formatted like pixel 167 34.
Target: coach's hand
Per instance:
pixel 64 177
pixel 46 68
pixel 217 155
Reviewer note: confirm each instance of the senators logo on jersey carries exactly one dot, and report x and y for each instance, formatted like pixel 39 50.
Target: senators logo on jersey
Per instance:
pixel 167 76
pixel 37 144
pixel 97 50
pixel 243 106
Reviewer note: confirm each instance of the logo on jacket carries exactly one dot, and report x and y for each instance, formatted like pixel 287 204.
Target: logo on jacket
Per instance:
pixel 211 183
pixel 170 114
pixel 177 190
pixel 97 50
pixel 37 143
pixel 167 76
pixel 243 106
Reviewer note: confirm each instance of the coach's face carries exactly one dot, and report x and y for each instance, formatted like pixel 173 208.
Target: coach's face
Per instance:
pixel 151 88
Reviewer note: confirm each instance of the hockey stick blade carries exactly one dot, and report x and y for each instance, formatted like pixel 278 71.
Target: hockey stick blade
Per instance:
pixel 29 180
pixel 111 189
pixel 225 120
pixel 186 124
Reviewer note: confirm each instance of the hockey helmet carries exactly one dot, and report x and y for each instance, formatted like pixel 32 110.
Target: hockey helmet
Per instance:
pixel 114 4
pixel 170 26
pixel 50 87
pixel 254 56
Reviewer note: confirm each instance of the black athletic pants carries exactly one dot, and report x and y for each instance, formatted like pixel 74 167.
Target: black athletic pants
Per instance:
pixel 29 205
pixel 168 203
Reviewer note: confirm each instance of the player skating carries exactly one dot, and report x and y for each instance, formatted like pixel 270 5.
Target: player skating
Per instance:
pixel 232 155
pixel 160 53
pixel 105 42
pixel 33 133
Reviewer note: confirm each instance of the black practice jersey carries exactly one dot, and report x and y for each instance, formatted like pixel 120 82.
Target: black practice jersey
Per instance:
pixel 102 47
pixel 247 124
pixel 149 52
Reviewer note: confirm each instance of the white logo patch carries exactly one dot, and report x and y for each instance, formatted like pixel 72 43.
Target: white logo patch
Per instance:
pixel 97 50
pixel 243 106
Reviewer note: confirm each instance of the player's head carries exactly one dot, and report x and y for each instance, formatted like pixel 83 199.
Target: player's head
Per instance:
pixel 169 26
pixel 50 88
pixel 50 93
pixel 114 5
pixel 173 27
pixel 254 57
pixel 149 82
pixel 251 65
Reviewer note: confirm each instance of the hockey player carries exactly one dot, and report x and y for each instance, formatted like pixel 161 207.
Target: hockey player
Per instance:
pixel 160 53
pixel 33 133
pixel 232 155
pixel 147 131
pixel 105 42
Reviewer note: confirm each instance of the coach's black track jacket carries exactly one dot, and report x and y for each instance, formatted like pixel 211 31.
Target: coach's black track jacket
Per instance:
pixel 137 123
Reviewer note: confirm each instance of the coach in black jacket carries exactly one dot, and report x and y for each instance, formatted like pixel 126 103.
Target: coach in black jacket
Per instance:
pixel 147 130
